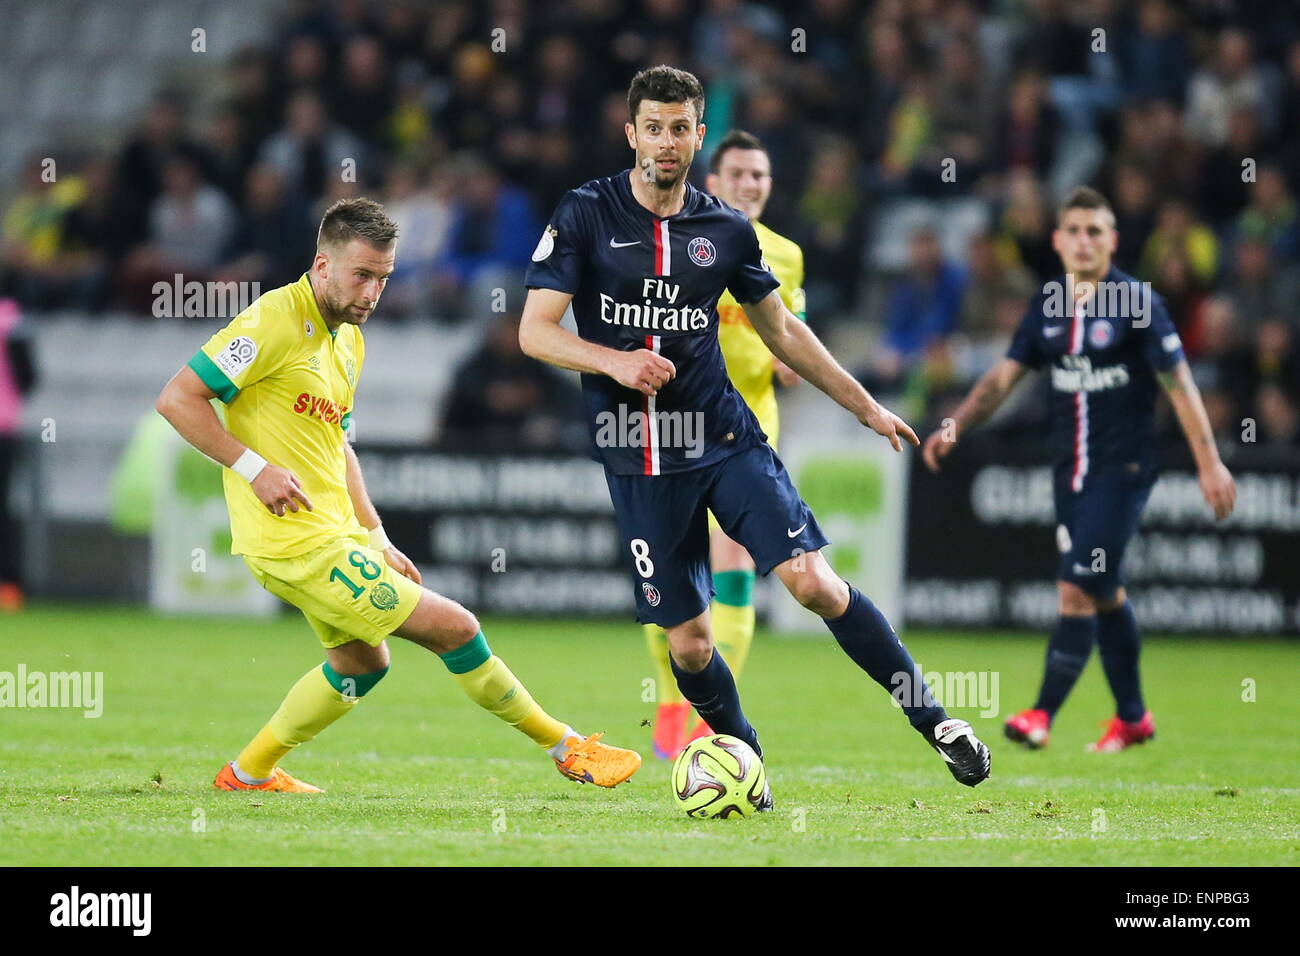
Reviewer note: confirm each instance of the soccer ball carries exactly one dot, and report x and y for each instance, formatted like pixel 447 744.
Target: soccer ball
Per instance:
pixel 718 776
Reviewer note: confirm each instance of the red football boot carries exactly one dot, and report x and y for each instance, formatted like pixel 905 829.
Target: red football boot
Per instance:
pixel 1120 735
pixel 1029 727
pixel 702 729
pixel 670 729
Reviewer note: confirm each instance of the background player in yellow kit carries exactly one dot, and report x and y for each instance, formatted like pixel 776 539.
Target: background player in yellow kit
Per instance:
pixel 287 370
pixel 740 174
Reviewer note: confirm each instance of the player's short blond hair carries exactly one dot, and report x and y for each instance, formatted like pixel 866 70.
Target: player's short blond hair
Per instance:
pixel 360 218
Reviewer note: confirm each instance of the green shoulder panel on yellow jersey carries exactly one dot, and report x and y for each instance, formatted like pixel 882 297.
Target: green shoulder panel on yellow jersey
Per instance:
pixel 213 377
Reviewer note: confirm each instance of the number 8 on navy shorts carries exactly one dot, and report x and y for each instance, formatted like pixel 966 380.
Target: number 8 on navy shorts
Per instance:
pixel 663 523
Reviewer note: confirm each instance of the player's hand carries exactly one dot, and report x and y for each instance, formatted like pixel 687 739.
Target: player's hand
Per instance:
pixel 279 489
pixel 1219 489
pixel 937 446
pixel 884 422
pixel 402 564
pixel 785 375
pixel 643 370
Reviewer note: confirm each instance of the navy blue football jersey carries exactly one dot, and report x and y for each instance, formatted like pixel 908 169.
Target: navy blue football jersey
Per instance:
pixel 642 282
pixel 1103 358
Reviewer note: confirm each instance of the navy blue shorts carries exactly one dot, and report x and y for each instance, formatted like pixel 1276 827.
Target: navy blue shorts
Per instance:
pixel 1094 527
pixel 663 521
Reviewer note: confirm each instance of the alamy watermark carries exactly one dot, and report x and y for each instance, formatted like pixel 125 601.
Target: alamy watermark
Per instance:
pixel 635 428
pixel 202 300
pixel 78 690
pixel 955 689
pixel 1114 300
pixel 130 910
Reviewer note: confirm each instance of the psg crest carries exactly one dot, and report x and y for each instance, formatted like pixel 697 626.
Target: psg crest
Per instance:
pixel 701 251
pixel 651 593
pixel 1100 334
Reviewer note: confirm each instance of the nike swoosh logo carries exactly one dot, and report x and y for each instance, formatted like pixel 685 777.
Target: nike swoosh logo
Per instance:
pixel 1055 330
pixel 620 245
pixel 791 534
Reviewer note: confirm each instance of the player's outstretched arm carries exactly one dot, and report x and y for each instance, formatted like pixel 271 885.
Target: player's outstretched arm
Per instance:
pixel 187 404
pixel 984 399
pixel 798 347
pixel 542 337
pixel 1216 481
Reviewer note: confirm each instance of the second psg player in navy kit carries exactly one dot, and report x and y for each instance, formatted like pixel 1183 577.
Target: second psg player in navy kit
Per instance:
pixel 643 257
pixel 1107 341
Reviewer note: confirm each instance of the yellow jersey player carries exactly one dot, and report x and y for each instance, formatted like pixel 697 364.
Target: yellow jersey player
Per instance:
pixel 287 370
pixel 740 174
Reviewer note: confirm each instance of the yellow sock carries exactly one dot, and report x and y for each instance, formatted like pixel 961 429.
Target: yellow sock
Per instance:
pixel 311 706
pixel 733 633
pixel 656 639
pixel 499 692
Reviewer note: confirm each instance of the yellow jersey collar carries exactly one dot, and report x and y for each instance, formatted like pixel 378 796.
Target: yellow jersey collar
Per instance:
pixel 305 283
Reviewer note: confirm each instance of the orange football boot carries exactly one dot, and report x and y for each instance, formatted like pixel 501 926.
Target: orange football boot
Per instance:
pixel 590 761
pixel 280 782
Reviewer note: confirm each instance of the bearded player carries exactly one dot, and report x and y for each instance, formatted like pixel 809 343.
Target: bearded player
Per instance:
pixel 287 369
pixel 1107 340
pixel 740 174
pixel 644 257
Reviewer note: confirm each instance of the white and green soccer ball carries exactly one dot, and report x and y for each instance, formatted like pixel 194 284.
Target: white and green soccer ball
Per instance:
pixel 718 777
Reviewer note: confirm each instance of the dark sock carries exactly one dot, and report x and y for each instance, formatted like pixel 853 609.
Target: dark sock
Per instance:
pixel 872 644
pixel 1119 643
pixel 1067 655
pixel 712 692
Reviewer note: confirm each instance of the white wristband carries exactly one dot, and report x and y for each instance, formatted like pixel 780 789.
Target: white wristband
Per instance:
pixel 379 538
pixel 249 465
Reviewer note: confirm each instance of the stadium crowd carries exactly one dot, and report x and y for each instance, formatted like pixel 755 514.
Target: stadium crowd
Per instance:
pixel 469 119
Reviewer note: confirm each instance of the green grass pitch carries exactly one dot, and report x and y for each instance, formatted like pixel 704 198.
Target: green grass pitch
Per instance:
pixel 417 775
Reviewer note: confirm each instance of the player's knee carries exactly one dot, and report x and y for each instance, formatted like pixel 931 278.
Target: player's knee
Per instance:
pixel 1074 600
pixel 377 664
pixel 819 593
pixel 462 629
pixel 691 646
pixel 358 657
pixel 442 631
pixel 693 658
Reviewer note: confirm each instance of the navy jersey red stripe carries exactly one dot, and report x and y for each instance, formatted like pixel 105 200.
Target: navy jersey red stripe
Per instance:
pixel 650 457
pixel 642 282
pixel 1103 358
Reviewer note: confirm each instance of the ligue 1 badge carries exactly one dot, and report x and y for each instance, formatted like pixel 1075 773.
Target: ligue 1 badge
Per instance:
pixel 545 245
pixel 1100 334
pixel 701 251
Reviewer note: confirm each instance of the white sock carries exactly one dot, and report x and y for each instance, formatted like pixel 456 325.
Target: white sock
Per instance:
pixel 245 778
pixel 560 750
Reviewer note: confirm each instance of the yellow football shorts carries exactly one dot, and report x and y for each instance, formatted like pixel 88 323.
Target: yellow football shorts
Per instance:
pixel 345 589
pixel 764 407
